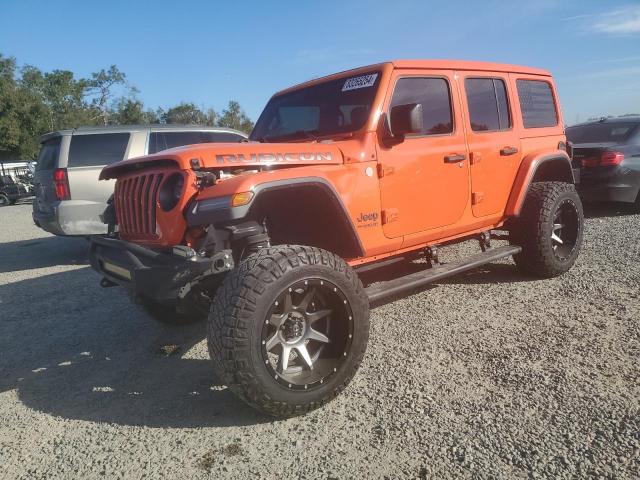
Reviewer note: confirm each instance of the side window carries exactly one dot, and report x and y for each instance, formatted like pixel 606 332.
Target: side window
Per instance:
pixel 164 140
pixel 536 103
pixel 488 104
pixel 97 149
pixel 48 156
pixel 433 94
pixel 221 137
pixel 159 141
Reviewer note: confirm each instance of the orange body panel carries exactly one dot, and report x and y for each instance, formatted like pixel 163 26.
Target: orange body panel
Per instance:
pixel 407 194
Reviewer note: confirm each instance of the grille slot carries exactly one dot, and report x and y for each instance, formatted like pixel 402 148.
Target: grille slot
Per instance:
pixel 135 199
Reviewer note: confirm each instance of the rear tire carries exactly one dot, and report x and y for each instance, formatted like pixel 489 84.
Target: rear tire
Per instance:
pixel 260 333
pixel 549 229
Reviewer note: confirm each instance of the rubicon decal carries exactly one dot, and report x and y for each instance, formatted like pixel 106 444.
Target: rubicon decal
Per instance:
pixel 274 157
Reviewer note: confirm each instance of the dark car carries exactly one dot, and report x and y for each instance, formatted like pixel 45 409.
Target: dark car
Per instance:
pixel 607 152
pixel 10 191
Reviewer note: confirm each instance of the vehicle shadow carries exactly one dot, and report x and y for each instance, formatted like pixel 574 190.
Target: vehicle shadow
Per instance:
pixel 74 350
pixel 608 209
pixel 491 273
pixel 43 252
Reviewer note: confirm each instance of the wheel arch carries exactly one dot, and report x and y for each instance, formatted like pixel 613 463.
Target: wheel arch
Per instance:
pixel 538 167
pixel 320 217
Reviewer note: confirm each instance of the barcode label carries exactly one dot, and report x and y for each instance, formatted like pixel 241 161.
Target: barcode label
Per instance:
pixel 359 82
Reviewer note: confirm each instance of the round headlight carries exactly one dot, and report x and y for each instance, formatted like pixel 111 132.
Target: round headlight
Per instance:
pixel 171 191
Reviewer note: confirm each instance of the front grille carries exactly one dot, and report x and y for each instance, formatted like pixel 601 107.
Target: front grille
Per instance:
pixel 135 200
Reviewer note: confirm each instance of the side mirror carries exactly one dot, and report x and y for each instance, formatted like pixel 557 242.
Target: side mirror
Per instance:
pixel 406 119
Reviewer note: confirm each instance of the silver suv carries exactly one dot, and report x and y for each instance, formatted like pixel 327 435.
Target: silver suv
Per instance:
pixel 69 197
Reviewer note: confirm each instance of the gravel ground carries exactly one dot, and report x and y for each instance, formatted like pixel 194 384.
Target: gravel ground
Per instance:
pixel 490 374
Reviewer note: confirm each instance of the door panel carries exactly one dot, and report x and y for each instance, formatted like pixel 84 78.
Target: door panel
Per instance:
pixel 424 180
pixel 494 142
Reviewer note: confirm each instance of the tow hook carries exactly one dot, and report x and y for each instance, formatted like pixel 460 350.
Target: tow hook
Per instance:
pixel 106 283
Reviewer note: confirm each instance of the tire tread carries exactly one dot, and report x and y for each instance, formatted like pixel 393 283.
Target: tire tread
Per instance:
pixel 530 229
pixel 231 313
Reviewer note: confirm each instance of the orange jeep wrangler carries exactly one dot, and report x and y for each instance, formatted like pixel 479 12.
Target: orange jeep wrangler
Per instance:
pixel 340 175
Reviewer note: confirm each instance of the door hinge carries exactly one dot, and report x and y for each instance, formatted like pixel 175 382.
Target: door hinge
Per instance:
pixel 477 197
pixel 384 170
pixel 389 215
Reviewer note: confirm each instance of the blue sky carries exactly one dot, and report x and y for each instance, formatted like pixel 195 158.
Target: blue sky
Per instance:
pixel 209 52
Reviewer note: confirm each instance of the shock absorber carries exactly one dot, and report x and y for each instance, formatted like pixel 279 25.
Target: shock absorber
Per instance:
pixel 255 243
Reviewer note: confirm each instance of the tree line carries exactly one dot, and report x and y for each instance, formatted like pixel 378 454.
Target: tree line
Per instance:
pixel 33 102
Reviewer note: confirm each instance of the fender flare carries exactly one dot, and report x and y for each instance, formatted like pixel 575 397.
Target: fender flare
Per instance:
pixel 529 167
pixel 219 210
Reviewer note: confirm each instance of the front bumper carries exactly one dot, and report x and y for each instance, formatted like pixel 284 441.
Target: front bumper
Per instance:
pixel 163 277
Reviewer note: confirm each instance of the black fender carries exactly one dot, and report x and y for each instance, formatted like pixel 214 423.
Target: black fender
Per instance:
pixel 549 166
pixel 218 211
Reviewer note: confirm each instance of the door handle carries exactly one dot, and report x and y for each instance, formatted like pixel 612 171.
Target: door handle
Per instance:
pixel 508 151
pixel 455 158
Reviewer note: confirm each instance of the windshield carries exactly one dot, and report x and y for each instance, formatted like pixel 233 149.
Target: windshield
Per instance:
pixel 600 132
pixel 333 107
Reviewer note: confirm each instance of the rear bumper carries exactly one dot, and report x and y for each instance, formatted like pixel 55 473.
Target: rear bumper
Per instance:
pixel 71 217
pixel 617 184
pixel 48 222
pixel 163 277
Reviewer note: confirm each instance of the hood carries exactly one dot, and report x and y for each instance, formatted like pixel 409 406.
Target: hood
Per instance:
pixel 231 155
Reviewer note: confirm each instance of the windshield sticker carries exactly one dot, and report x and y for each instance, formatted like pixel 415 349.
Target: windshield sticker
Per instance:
pixel 360 82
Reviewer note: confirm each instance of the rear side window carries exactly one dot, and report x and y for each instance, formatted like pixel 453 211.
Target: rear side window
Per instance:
pixel 49 153
pixel 536 103
pixel 433 94
pixel 159 141
pixel 98 149
pixel 488 104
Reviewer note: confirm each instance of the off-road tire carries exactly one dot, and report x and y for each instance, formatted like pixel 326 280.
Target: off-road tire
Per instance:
pixel 533 229
pixel 238 313
pixel 4 200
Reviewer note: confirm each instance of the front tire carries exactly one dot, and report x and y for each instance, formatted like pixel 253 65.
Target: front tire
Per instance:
pixel 4 200
pixel 288 329
pixel 549 229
